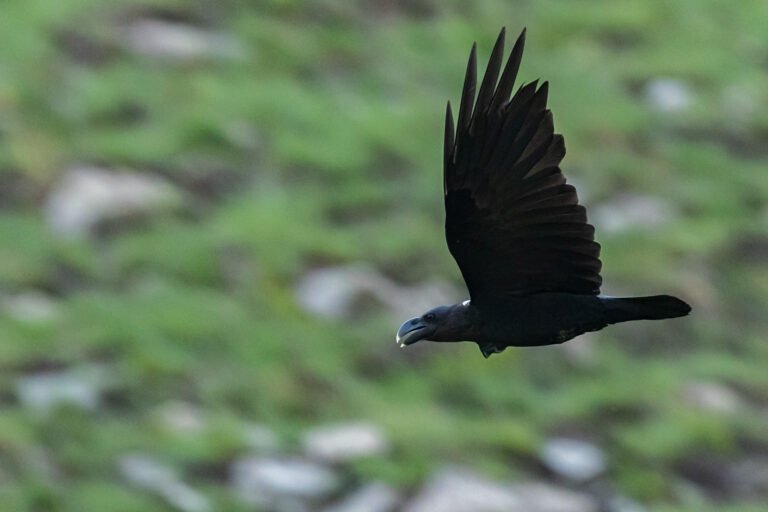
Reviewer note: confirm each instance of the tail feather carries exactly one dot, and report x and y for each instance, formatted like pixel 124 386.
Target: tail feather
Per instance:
pixel 656 307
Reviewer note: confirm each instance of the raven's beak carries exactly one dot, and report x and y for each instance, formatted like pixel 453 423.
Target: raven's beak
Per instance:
pixel 412 331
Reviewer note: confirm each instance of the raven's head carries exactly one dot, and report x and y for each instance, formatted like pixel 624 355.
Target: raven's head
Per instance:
pixel 443 323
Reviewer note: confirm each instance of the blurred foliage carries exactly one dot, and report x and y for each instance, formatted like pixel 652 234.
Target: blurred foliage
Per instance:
pixel 319 144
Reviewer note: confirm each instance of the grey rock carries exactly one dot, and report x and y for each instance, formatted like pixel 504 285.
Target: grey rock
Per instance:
pixel 668 95
pixel 741 102
pixel 183 497
pixel 345 442
pixel 573 459
pixel 42 392
pixel 261 438
pixel 464 491
pixel 144 471
pixel 176 41
pixel 373 497
pixel 698 282
pixel 748 477
pixel 622 504
pixel 334 292
pixel 151 475
pixel 712 397
pixel 762 217
pixel 281 482
pixel 629 212
pixel 87 196
pixel 37 461
pixel 581 352
pixel 542 497
pixel 685 491
pixel 30 306
pixel 182 417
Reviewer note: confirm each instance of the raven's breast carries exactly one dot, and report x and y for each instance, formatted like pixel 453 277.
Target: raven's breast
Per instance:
pixel 539 319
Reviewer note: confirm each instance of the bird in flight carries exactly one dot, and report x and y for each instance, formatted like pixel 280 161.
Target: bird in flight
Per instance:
pixel 515 227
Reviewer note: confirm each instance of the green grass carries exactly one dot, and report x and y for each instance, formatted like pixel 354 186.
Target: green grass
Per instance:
pixel 326 134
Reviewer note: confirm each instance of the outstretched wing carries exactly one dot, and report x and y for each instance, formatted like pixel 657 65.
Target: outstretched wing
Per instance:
pixel 512 223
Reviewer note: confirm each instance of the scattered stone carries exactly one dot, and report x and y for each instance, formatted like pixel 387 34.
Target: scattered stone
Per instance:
pixel 581 352
pixel 37 461
pixel 668 95
pixel 30 306
pixel 334 292
pixel 573 459
pixel 465 491
pixel 748 477
pixel 272 482
pixel 88 196
pixel 622 504
pixel 627 212
pixel 697 281
pixel 542 497
pixel 182 417
pixel 373 497
pixel 149 474
pixel 177 41
pixel 345 442
pixel 261 438
pixel 712 397
pixel 42 392
pixel 740 103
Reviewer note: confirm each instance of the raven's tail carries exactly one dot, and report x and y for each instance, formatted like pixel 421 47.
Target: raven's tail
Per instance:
pixel 656 307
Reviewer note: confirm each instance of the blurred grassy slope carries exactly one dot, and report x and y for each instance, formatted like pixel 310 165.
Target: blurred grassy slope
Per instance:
pixel 320 144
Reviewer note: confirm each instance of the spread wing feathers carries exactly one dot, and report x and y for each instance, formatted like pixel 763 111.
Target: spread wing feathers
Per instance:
pixel 513 224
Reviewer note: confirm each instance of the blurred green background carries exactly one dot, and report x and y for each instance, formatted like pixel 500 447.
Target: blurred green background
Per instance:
pixel 214 215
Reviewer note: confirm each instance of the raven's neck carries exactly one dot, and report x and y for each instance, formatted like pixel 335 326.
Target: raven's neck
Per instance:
pixel 459 325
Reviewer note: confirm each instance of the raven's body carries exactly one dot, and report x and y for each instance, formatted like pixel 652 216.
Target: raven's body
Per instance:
pixel 515 228
pixel 539 319
pixel 545 318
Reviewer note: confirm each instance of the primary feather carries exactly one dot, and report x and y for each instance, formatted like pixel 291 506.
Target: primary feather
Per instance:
pixel 512 223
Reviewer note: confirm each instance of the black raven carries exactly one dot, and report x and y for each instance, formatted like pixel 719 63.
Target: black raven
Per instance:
pixel 522 241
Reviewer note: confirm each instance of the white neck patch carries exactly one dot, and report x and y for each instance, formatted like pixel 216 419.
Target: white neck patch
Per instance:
pixel 465 303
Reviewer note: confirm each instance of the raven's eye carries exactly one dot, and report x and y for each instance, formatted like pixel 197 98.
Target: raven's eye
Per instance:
pixel 429 317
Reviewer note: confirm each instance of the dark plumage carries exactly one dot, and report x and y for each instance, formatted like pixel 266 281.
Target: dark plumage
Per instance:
pixel 515 228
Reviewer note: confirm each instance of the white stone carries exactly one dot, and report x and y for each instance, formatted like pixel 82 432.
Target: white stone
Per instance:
pixel 30 306
pixel 41 392
pixel 149 474
pixel 144 471
pixel 183 497
pixel 261 438
pixel 741 103
pixel 265 481
pixel 668 95
pixel 178 41
pixel 712 396
pixel 333 292
pixel 749 476
pixel 573 459
pixel 464 491
pixel 581 351
pixel 345 442
pixel 373 497
pixel 542 497
pixel 622 504
pixel 628 212
pixel 86 196
pixel 182 417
